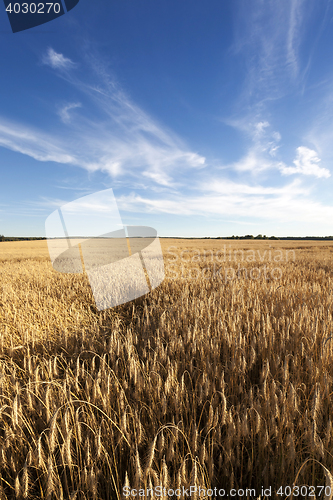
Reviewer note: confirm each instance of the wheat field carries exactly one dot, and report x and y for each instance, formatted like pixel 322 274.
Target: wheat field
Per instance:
pixel 218 378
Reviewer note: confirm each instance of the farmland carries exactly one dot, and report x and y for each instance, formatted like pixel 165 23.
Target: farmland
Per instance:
pixel 220 377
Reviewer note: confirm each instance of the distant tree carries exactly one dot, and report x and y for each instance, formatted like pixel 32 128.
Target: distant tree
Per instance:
pixel 2 238
pixel 259 237
pixel 249 237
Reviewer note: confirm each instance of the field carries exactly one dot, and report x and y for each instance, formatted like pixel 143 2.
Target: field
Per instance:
pixel 219 378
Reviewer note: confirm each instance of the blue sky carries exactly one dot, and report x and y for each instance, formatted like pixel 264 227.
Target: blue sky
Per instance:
pixel 206 118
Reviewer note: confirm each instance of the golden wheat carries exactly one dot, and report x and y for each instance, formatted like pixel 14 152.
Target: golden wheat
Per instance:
pixel 206 381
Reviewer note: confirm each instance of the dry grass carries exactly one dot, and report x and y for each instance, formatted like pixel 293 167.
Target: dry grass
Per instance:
pixel 207 381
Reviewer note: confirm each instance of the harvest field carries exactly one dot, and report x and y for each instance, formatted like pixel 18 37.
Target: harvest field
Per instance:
pixel 220 378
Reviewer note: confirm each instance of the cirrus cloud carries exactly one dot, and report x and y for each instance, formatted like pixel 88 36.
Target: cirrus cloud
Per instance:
pixel 57 60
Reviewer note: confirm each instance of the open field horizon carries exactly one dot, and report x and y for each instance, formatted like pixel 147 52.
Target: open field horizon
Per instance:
pixel 36 249
pixel 217 378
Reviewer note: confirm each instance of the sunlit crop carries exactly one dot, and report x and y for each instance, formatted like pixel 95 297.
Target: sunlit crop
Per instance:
pixel 213 379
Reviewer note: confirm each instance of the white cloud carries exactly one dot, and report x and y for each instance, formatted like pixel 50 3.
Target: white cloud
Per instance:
pixel 306 163
pixel 269 34
pixel 259 129
pixel 261 155
pixel 226 186
pixel 118 138
pixel 32 142
pixel 64 112
pixel 254 162
pixel 265 144
pixel 293 35
pixel 242 201
pixel 56 60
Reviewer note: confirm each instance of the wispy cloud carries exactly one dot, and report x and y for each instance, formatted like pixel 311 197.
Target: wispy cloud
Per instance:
pixel 262 154
pixel 64 111
pixel 269 35
pixel 228 187
pixel 57 60
pixel 293 36
pixel 241 201
pixel 115 136
pixel 32 142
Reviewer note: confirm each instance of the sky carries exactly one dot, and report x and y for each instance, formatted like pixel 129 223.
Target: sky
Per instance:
pixel 206 118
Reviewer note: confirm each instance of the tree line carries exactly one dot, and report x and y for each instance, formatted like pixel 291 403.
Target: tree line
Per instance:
pixel 14 238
